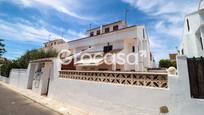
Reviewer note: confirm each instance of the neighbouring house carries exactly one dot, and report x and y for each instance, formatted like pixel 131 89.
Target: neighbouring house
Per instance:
pixel 172 56
pixel 193 35
pixel 57 44
pixel 114 38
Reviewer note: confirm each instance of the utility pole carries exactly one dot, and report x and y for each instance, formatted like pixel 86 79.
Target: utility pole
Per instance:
pixel 90 26
pixel 49 36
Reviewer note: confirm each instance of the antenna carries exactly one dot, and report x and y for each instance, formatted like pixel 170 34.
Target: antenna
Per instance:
pixel 126 12
pixel 49 36
pixel 62 35
pixel 90 26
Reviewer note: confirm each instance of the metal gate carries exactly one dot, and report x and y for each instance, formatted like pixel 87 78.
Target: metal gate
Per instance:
pixel 196 77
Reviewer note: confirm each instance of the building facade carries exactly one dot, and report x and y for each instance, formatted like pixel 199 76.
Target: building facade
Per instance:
pixel 115 38
pixel 193 35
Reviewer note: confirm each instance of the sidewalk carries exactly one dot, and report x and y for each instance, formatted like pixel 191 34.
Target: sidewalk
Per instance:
pixel 47 102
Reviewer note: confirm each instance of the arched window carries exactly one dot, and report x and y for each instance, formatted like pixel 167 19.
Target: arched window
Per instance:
pixel 188 25
pixel 143 33
pixel 201 43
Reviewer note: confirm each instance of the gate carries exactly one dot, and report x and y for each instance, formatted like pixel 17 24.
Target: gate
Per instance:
pixel 196 77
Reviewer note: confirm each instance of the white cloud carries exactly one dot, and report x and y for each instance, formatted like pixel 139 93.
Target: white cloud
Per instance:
pixel 169 13
pixel 75 35
pixel 24 32
pixel 14 54
pixel 173 29
pixel 29 34
pixel 69 7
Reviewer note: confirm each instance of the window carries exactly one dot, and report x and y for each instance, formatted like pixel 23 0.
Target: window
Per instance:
pixel 107 48
pixel 133 48
pixel 54 43
pixel 201 43
pixel 91 33
pixel 107 30
pixel 188 25
pixel 143 33
pixel 151 56
pixel 115 27
pixel 98 32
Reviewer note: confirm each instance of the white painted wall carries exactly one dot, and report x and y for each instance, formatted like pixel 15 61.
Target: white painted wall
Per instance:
pixel 40 86
pixel 113 99
pixel 191 43
pixel 18 78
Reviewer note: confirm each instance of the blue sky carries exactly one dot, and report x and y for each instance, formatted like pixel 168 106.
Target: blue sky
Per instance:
pixel 26 24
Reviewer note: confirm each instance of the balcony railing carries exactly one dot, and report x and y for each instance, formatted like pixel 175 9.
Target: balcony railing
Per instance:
pixel 158 80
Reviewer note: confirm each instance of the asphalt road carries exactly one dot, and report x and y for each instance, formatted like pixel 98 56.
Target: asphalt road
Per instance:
pixel 12 103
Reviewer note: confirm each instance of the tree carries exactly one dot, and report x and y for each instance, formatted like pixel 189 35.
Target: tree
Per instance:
pixel 2 49
pixel 23 61
pixel 35 54
pixel 165 63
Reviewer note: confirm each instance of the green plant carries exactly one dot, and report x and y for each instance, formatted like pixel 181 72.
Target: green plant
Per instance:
pixel 2 49
pixel 165 63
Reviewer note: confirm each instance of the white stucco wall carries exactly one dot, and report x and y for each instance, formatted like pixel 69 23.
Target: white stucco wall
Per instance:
pixel 19 78
pixel 191 43
pixel 111 99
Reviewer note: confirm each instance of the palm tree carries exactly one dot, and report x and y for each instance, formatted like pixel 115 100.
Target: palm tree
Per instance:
pixel 2 49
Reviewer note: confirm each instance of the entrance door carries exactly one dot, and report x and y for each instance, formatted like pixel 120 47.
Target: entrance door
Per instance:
pixel 196 77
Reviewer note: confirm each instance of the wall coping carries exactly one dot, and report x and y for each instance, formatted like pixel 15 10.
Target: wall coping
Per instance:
pixel 147 73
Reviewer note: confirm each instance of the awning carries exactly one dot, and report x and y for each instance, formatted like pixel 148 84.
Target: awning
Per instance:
pixel 90 62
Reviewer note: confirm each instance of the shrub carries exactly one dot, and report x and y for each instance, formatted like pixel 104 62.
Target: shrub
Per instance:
pixel 164 63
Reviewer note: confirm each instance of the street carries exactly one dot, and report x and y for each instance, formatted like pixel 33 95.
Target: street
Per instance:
pixel 12 103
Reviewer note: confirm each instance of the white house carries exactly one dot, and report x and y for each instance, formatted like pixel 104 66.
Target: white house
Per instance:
pixel 57 44
pixel 114 38
pixel 193 35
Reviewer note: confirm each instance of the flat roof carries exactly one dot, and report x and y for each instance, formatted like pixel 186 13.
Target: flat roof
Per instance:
pixel 54 40
pixel 106 25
